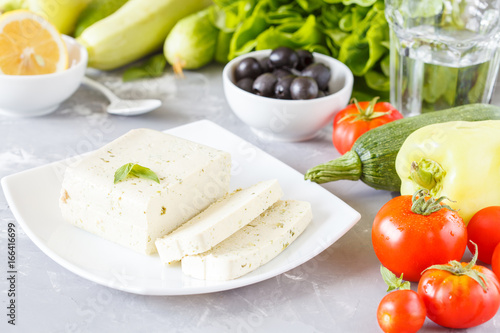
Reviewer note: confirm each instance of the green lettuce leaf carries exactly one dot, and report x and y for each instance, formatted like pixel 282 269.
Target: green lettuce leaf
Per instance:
pixel 293 34
pixel 244 38
pixel 362 49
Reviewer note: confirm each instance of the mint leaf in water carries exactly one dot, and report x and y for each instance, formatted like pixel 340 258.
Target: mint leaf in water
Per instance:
pixel 153 67
pixel 135 170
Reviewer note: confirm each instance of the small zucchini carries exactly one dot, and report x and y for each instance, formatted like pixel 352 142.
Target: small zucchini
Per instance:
pixel 373 156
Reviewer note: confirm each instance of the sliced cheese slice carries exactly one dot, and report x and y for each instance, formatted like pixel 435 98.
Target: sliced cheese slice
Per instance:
pixel 254 245
pixel 219 221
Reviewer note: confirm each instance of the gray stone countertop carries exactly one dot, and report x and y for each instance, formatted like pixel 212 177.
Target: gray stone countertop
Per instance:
pixel 337 291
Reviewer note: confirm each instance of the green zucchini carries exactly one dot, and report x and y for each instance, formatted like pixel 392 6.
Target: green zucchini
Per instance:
pixel 373 156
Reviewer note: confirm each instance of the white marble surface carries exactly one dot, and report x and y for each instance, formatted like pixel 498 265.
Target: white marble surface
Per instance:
pixel 338 291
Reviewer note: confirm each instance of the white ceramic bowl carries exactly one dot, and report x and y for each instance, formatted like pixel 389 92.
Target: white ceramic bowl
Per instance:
pixel 35 95
pixel 288 120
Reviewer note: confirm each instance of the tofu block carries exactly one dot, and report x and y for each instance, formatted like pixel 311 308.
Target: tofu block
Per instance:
pixel 135 211
pixel 252 246
pixel 219 221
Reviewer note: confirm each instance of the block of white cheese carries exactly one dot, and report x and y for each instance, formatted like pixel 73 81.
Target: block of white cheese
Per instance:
pixel 135 211
pixel 219 221
pixel 252 246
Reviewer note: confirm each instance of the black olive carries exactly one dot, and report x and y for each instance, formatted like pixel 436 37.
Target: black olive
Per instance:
pixel 320 73
pixel 264 85
pixel 304 88
pixel 247 68
pixel 305 59
pixel 282 88
pixel 283 57
pixel 280 72
pixel 245 84
pixel 265 65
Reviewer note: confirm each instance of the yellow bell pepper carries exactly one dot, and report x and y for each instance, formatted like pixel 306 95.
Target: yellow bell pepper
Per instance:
pixel 459 160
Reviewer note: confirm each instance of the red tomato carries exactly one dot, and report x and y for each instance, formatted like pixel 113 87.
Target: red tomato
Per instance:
pixel 458 301
pixel 484 230
pixel 358 118
pixel 406 242
pixel 401 311
pixel 495 261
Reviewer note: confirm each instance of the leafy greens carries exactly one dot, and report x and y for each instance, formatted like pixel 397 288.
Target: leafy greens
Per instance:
pixel 353 31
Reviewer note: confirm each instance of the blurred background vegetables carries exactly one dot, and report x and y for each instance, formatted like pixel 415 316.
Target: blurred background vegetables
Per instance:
pixel 96 11
pixel 135 30
pixel 191 43
pixel 62 14
pixel 118 32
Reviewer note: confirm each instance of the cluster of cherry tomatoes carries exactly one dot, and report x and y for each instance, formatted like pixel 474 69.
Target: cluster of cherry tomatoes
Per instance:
pixel 425 249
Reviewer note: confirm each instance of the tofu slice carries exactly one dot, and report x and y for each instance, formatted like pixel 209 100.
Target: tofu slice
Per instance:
pixel 135 211
pixel 218 221
pixel 254 245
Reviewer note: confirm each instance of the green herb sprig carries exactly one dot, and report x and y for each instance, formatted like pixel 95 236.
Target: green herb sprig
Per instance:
pixel 136 170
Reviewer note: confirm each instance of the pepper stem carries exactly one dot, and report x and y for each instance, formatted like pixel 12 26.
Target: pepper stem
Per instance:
pixel 456 268
pixel 347 166
pixel 427 174
pixel 426 207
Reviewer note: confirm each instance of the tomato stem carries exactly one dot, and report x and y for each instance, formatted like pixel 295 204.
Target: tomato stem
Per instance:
pixel 426 207
pixel 364 114
pixel 456 268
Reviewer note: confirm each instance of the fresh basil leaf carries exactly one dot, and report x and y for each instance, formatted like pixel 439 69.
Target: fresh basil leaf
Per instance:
pixel 153 67
pixel 123 172
pixel 135 170
pixel 145 173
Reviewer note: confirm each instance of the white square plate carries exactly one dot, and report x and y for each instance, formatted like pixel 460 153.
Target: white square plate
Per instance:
pixel 33 197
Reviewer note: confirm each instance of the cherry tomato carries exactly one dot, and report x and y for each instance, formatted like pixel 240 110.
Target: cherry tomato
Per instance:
pixel 401 311
pixel 495 261
pixel 407 242
pixel 484 230
pixel 358 118
pixel 456 300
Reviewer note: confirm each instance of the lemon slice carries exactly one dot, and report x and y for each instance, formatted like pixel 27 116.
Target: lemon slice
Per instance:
pixel 30 45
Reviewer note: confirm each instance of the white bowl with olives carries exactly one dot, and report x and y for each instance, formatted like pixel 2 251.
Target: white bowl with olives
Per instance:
pixel 284 94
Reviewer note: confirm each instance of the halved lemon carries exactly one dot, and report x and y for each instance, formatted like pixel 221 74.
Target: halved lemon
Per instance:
pixel 30 45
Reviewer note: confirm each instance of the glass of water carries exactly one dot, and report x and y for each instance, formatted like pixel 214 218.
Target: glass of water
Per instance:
pixel 444 53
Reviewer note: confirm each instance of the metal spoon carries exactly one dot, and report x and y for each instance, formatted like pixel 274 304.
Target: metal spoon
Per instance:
pixel 123 107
